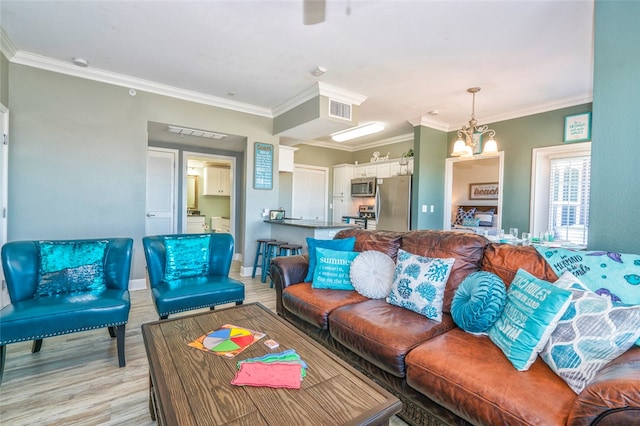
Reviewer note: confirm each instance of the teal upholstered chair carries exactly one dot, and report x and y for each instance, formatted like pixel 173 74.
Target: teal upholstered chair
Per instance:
pixel 65 286
pixel 191 271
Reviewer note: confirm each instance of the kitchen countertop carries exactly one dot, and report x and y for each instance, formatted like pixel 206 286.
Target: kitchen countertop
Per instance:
pixel 315 224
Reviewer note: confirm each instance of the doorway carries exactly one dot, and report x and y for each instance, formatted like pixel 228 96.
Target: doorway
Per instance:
pixel 161 189
pixel 460 173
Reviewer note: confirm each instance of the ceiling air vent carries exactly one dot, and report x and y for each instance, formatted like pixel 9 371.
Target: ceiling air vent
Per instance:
pixel 339 110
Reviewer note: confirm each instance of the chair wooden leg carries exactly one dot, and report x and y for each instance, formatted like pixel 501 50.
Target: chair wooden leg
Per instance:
pixel 37 344
pixel 120 342
pixel 212 308
pixel 163 317
pixel 239 303
pixel 3 355
pixel 112 332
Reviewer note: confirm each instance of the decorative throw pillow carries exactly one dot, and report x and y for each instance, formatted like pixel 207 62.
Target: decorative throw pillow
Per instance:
pixel 606 273
pixel 592 332
pixel 530 315
pixel 372 274
pixel 478 302
pixel 70 266
pixel 419 282
pixel 186 256
pixel 343 244
pixel 485 218
pixel 332 269
pixel 464 214
pixel 471 221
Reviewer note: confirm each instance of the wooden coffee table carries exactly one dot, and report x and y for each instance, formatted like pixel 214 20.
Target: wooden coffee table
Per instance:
pixel 192 387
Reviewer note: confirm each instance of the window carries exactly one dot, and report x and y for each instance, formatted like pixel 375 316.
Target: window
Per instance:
pixel 569 198
pixel 560 188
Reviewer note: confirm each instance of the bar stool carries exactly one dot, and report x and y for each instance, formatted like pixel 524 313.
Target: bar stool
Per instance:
pixel 272 251
pixel 290 249
pixel 261 250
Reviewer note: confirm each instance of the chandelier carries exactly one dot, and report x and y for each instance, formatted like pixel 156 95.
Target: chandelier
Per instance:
pixel 470 137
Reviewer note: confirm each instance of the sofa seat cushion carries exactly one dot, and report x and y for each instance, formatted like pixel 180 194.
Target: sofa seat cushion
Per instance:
pixel 195 293
pixel 62 314
pixel 504 260
pixel 382 333
pixel 467 250
pixel 470 376
pixel 314 305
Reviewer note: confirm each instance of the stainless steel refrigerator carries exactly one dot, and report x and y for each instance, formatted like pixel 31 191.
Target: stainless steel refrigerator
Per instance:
pixel 393 203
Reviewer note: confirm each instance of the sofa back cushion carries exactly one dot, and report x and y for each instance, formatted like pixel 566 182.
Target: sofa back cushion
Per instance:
pixel 465 248
pixel 504 260
pixel 387 242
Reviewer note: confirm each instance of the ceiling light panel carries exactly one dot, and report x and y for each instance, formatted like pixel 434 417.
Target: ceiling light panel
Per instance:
pixel 183 131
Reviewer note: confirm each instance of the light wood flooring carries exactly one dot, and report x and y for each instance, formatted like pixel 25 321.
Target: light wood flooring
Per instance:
pixel 75 379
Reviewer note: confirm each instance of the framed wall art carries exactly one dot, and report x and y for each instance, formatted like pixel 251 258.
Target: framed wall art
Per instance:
pixel 483 191
pixel 263 166
pixel 577 128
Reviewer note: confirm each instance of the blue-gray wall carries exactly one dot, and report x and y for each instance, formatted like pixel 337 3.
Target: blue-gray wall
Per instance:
pixel 430 149
pixel 615 150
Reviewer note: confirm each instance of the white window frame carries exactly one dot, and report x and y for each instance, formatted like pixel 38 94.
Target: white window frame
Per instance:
pixel 540 180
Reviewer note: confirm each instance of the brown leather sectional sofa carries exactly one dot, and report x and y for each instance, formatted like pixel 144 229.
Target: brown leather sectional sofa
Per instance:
pixel 442 374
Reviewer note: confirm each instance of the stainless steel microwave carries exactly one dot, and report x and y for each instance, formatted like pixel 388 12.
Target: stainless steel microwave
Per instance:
pixel 363 187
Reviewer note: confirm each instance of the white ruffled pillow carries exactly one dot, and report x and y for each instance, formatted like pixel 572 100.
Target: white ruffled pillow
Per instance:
pixel 372 274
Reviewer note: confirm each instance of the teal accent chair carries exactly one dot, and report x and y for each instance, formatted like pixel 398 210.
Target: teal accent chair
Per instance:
pixel 196 292
pixel 33 317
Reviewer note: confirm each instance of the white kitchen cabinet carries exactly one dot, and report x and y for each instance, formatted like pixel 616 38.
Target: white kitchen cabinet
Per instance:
pixel 195 224
pixel 217 181
pixel 342 175
pixel 383 170
pixel 366 170
pixel 285 158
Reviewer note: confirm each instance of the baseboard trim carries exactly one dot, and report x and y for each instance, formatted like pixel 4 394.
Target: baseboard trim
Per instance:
pixel 247 271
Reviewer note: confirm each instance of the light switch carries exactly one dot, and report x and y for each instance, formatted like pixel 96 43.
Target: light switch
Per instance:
pixel 432 208
pixel 424 208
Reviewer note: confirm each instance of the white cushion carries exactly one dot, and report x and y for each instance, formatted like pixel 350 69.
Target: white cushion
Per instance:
pixel 372 274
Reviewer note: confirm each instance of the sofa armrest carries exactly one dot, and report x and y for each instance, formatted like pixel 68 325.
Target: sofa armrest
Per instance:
pixel 286 271
pixel 613 396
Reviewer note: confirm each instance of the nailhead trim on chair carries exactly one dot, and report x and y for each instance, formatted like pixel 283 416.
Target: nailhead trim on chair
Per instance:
pixel 42 336
pixel 200 307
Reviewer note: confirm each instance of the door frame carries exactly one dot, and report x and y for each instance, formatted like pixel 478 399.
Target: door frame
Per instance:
pixel 325 170
pixel 232 198
pixel 448 186
pixel 4 195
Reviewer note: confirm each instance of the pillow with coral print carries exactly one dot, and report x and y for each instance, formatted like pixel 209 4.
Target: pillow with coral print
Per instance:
pixel 419 282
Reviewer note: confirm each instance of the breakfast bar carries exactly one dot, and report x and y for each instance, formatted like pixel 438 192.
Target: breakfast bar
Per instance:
pixel 296 231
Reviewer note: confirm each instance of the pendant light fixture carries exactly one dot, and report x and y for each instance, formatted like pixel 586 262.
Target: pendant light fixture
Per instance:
pixel 470 136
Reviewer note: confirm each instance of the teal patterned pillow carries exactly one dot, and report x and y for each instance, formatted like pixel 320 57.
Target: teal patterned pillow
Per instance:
pixel 478 301
pixel 332 269
pixel 70 267
pixel 530 315
pixel 186 256
pixel 592 332
pixel 419 282
pixel 471 221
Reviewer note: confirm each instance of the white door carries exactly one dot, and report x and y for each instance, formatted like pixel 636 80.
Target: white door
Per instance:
pixel 309 192
pixel 4 190
pixel 161 192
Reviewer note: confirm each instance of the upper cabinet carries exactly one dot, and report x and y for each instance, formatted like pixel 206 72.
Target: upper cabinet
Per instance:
pixel 384 169
pixel 342 175
pixel 285 158
pixel 217 181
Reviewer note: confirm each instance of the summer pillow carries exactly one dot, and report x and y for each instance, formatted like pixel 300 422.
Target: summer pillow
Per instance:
pixel 530 315
pixel 419 282
pixel 478 302
pixel 342 244
pixel 592 332
pixel 69 267
pixel 186 256
pixel 372 274
pixel 332 269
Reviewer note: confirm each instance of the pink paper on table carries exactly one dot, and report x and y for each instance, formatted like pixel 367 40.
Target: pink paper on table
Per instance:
pixel 273 375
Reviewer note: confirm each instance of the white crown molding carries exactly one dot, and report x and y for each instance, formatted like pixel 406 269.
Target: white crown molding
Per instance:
pixel 6 45
pixel 49 64
pixel 429 122
pixel 315 90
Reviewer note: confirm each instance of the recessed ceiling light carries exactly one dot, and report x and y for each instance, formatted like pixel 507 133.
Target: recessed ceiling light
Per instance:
pixel 356 132
pixel 81 62
pixel 434 112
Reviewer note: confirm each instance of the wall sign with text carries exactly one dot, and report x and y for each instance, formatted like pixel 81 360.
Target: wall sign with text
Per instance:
pixel 577 128
pixel 263 166
pixel 483 191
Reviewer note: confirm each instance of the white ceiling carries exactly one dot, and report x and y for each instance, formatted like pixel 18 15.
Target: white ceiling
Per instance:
pixel 407 57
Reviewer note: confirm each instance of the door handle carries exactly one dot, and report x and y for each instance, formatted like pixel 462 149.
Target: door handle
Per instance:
pixel 150 215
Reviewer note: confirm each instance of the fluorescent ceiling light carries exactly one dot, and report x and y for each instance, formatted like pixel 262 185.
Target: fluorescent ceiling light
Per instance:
pixel 183 131
pixel 356 132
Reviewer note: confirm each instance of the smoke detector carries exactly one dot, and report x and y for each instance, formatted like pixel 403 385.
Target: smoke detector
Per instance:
pixel 81 62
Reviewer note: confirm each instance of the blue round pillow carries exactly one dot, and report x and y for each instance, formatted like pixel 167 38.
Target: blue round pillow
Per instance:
pixel 478 302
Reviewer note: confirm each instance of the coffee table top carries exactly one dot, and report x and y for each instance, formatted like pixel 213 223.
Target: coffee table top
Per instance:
pixel 192 387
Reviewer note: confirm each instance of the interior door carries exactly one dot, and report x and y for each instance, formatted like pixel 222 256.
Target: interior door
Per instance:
pixel 4 190
pixel 309 193
pixel 161 192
